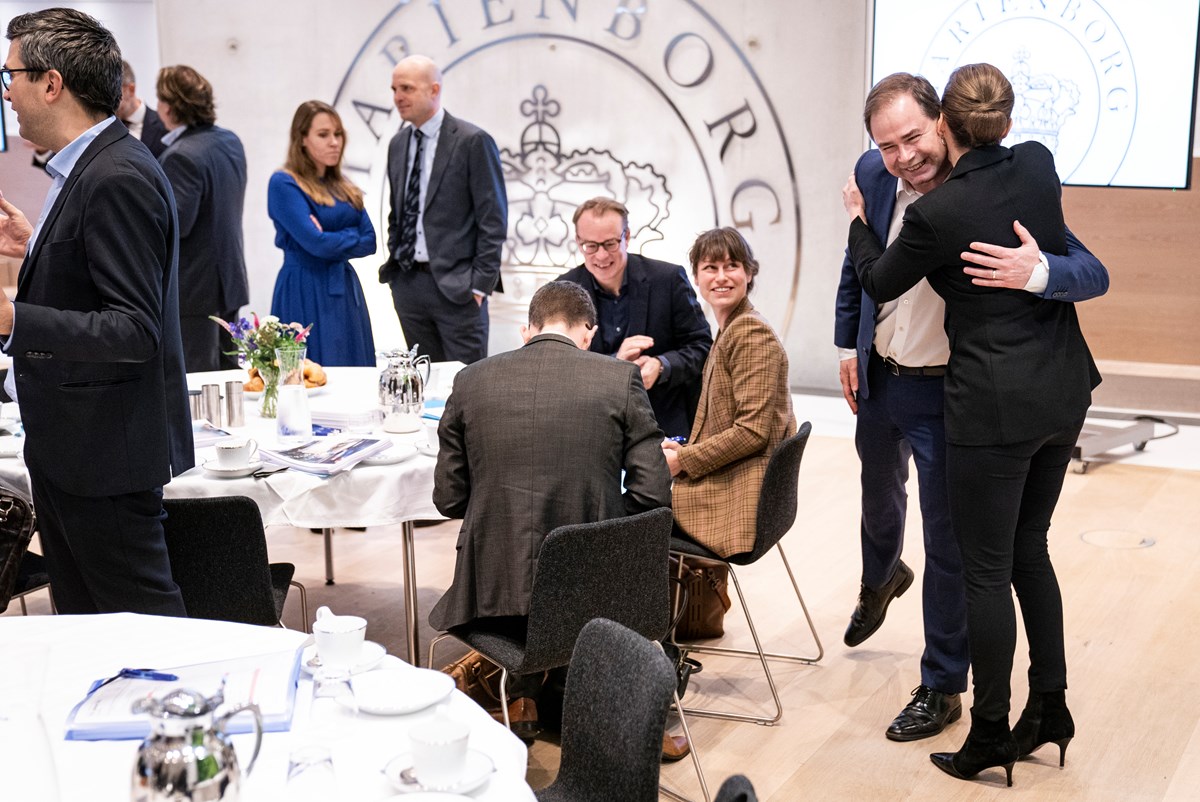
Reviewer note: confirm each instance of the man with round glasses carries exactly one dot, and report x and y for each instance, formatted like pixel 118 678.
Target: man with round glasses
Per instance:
pixel 648 313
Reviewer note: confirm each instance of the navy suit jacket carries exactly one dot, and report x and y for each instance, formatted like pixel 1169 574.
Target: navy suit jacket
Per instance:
pixel 1077 276
pixel 207 170
pixel 466 209
pixel 95 343
pixel 1019 367
pixel 153 131
pixel 663 305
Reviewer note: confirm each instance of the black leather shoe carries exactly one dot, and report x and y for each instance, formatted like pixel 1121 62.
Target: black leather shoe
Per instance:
pixel 872 605
pixel 927 714
pixel 523 719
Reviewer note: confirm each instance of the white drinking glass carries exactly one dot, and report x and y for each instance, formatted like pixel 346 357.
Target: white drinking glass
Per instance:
pixel 310 775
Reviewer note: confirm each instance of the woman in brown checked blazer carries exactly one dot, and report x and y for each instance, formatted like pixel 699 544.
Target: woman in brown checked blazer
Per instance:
pixel 745 408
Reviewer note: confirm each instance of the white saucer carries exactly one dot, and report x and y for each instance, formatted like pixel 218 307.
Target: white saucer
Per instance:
pixel 397 692
pixel 213 469
pixel 368 658
pixel 9 425
pixel 399 452
pixel 11 446
pixel 477 771
pixel 428 796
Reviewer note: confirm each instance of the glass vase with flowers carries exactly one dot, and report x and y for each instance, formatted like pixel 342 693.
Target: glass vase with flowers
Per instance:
pixel 255 342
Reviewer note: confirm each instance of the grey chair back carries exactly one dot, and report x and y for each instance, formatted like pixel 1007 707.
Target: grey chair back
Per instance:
pixel 736 789
pixel 618 690
pixel 219 560
pixel 615 569
pixel 777 499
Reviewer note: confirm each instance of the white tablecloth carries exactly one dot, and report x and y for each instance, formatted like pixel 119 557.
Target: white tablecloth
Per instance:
pixel 85 648
pixel 364 496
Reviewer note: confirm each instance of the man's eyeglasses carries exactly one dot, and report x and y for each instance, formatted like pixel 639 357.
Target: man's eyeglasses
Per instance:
pixel 609 245
pixel 6 75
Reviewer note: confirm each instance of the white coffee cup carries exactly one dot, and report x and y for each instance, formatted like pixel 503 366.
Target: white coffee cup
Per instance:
pixel 339 638
pixel 431 435
pixel 439 749
pixel 235 452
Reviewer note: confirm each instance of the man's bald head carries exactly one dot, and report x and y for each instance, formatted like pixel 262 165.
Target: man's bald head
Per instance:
pixel 417 89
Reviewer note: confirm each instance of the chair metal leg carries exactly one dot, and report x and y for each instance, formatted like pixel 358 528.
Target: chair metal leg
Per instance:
pixel 433 644
pixel 695 753
pixel 504 696
pixel 307 624
pixel 759 653
pixel 795 658
pixel 24 609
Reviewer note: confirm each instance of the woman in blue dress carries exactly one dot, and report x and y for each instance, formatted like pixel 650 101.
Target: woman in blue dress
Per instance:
pixel 320 224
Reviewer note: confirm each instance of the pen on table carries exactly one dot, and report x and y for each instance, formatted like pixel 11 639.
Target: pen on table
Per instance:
pixel 147 673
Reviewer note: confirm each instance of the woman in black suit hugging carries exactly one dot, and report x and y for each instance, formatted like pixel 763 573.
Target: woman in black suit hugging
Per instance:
pixel 1018 384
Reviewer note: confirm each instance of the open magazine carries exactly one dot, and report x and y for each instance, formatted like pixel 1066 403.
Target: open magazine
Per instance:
pixel 325 456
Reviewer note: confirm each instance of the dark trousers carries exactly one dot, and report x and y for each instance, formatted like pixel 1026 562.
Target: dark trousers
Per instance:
pixel 205 343
pixel 1001 501
pixel 105 554
pixel 444 330
pixel 902 417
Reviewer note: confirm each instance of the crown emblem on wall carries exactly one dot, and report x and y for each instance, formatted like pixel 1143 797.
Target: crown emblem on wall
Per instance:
pixel 546 185
pixel 1042 104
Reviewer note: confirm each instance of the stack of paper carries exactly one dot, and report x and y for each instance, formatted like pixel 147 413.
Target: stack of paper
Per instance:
pixel 325 456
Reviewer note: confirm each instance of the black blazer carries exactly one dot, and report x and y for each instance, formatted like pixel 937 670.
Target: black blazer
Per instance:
pixel 663 305
pixel 1019 366
pixel 207 170
pixel 466 209
pixel 572 422
pixel 95 343
pixel 153 131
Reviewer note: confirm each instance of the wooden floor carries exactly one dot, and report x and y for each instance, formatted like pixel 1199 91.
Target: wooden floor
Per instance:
pixel 1132 626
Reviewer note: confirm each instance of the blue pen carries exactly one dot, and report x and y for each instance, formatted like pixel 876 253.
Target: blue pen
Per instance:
pixel 147 673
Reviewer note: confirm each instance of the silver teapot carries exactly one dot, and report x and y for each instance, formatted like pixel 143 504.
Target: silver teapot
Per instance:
pixel 402 390
pixel 188 755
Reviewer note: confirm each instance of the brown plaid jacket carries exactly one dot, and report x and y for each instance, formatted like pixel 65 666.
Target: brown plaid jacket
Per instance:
pixel 745 411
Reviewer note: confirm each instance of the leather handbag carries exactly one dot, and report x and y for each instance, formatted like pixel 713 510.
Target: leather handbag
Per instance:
pixel 707 585
pixel 17 522
pixel 477 677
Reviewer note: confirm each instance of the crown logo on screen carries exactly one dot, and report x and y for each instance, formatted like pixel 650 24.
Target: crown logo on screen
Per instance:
pixel 545 185
pixel 1042 104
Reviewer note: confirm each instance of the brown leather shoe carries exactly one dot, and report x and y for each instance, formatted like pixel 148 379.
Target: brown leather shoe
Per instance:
pixel 523 719
pixel 675 747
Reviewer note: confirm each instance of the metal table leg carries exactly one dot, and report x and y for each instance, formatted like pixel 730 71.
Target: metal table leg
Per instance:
pixel 410 592
pixel 327 532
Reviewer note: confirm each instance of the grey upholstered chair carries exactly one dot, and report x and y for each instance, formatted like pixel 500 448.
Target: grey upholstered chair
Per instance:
pixel 736 789
pixel 619 686
pixel 218 557
pixel 614 569
pixel 776 513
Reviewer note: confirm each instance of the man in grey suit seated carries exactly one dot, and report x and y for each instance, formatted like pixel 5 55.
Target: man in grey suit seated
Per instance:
pixel 533 439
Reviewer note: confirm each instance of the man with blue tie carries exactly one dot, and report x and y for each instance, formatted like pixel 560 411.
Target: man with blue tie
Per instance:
pixel 447 223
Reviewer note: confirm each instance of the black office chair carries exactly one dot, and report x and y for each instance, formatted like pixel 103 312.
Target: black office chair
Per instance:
pixel 218 557
pixel 777 504
pixel 619 687
pixel 614 569
pixel 32 577
pixel 736 789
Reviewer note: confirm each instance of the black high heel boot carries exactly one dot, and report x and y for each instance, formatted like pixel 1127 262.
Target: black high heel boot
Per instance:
pixel 988 744
pixel 1045 720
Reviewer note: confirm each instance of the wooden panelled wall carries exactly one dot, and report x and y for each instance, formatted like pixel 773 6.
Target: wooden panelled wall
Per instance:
pixel 1150 241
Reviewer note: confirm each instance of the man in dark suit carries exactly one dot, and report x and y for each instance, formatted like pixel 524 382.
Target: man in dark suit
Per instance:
pixel 94 330
pixel 206 165
pixel 570 422
pixel 893 359
pixel 447 223
pixel 140 119
pixel 648 312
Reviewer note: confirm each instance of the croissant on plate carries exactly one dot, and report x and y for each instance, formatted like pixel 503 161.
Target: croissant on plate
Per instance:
pixel 314 376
